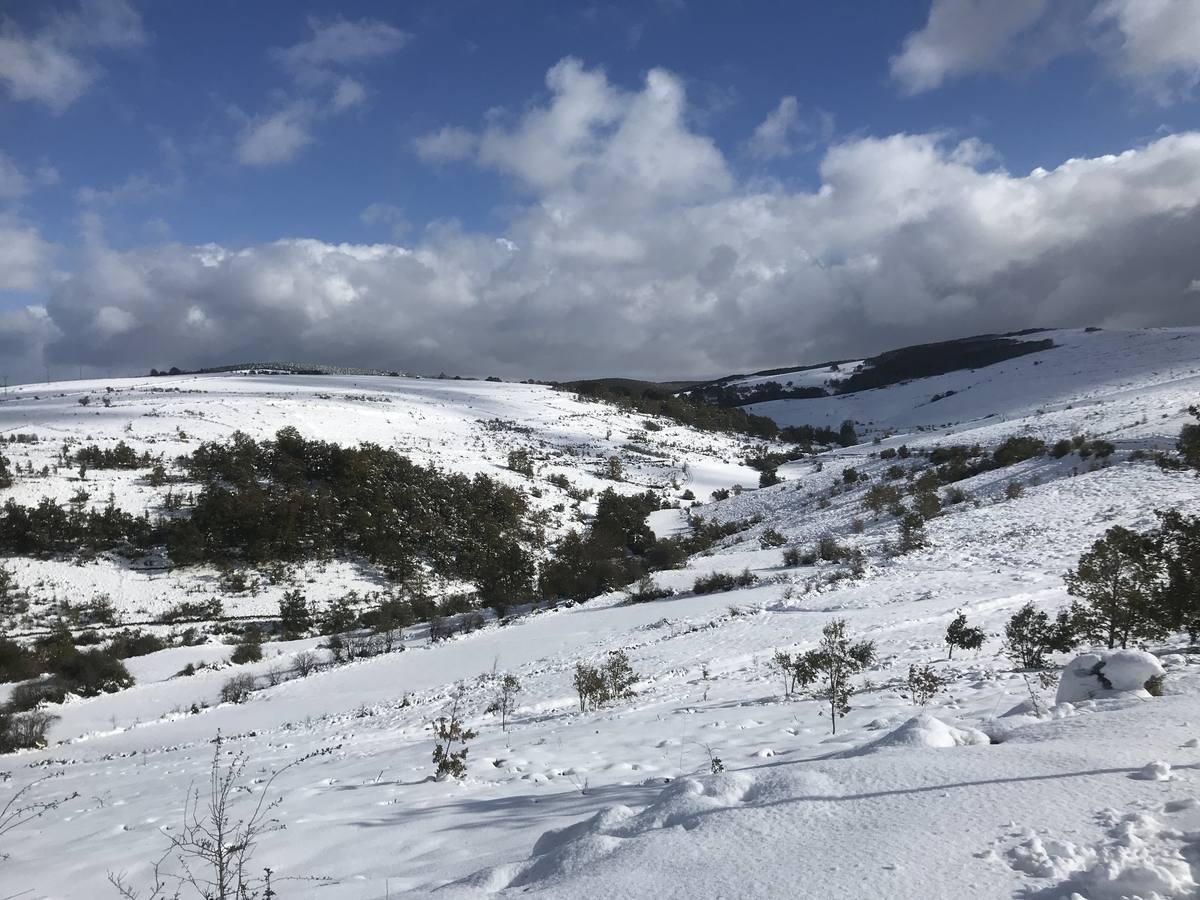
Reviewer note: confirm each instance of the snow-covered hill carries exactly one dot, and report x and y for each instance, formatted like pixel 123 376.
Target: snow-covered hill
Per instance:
pixel 622 802
pixel 1103 374
pixel 461 426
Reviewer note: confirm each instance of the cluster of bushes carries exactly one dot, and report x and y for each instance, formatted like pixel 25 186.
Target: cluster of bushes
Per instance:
pixel 1083 446
pixel 690 409
pixel 619 548
pixel 295 499
pixel 122 456
pixel 647 590
pixel 5 473
pixel 716 582
pixel 825 672
pixel 845 435
pixel 599 686
pixel 49 528
pixel 731 395
pixel 1132 586
pixel 47 671
pixel 828 549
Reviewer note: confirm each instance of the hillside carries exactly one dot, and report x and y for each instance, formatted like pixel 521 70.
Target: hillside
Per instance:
pixel 1014 794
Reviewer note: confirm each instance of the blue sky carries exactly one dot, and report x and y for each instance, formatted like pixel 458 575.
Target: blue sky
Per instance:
pixel 552 189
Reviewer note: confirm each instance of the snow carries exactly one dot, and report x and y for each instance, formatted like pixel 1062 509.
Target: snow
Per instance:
pixel 949 800
pixel 925 730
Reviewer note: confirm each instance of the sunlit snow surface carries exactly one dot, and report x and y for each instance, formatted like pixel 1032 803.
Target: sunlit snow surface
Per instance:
pixel 619 803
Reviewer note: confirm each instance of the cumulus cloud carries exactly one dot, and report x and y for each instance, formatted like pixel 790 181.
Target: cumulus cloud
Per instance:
pixel 784 132
pixel 593 138
pixel 275 138
pixel 55 64
pixel 638 252
pixel 24 255
pixel 1152 44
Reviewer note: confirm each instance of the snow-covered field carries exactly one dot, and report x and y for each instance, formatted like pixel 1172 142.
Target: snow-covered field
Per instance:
pixel 959 799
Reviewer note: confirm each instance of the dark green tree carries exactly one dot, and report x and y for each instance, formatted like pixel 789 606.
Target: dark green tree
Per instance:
pixel 832 665
pixel 1117 579
pixel 963 636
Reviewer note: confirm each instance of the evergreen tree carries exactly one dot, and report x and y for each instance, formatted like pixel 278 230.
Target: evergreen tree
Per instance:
pixel 962 635
pixel 1189 440
pixel 1177 548
pixel 294 615
pixel 1030 635
pixel 1117 579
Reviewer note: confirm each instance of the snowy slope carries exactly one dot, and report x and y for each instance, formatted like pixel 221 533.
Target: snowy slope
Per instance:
pixel 464 426
pixel 1104 374
pixel 619 802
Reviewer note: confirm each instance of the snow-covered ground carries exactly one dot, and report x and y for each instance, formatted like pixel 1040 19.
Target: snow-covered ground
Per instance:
pixel 463 426
pixel 957 799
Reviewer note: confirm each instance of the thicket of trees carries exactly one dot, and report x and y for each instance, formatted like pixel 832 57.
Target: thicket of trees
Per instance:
pixel 619 548
pixel 121 456
pixel 689 409
pixel 293 499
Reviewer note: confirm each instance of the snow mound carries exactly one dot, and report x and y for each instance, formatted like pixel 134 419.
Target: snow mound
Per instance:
pixel 1107 673
pixel 926 731
pixel 1154 771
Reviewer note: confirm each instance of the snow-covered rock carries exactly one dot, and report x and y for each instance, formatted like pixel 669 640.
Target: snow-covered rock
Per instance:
pixel 1107 673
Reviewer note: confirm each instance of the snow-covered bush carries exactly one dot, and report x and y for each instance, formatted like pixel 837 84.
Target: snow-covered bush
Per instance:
pixel 923 683
pixel 1109 673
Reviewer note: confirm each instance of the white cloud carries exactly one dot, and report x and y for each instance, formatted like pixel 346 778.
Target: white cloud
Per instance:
pixel 963 37
pixel 1152 44
pixel 322 89
pixel 341 43
pixel 447 144
pixel 276 138
pixel 348 94
pixel 784 132
pixel 24 256
pixel 638 253
pixel 592 136
pixel 54 65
